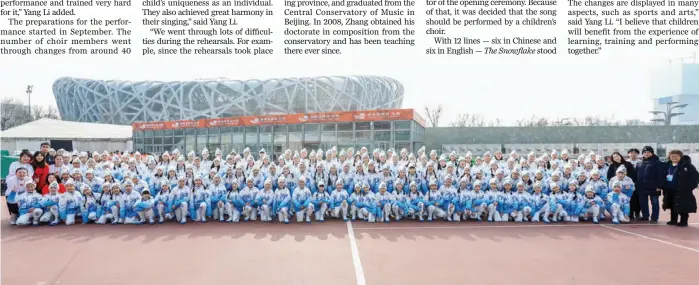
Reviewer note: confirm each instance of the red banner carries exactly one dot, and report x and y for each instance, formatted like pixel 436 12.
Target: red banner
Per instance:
pixel 185 124
pixel 264 120
pixel 382 115
pixel 222 122
pixel 148 126
pixel 288 119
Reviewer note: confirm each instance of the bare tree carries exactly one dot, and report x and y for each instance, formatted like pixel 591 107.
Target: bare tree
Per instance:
pixel 523 123
pixel 13 112
pixel 534 121
pixel 468 120
pixel 561 122
pixel 635 122
pixel 477 121
pixel 597 121
pixel 588 121
pixel 433 115
pixel 473 121
pixel 461 121
pixel 40 112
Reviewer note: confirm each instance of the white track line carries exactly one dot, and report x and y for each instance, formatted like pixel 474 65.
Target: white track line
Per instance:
pixel 461 227
pixel 650 238
pixel 495 227
pixel 358 269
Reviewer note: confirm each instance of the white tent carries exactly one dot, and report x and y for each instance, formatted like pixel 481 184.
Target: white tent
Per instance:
pixel 83 136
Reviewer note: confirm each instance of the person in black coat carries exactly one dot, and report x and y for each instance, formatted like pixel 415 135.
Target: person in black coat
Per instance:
pixel 650 179
pixel 681 179
pixel 618 160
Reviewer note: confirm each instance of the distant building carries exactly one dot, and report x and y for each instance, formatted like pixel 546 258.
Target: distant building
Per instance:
pixel 677 83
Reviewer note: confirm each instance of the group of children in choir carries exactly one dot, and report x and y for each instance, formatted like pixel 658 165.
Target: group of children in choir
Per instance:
pixel 144 190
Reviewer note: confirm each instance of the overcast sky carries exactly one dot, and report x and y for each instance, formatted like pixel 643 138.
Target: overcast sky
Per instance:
pixel 615 84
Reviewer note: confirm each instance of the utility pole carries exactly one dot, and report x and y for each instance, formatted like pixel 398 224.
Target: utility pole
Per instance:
pixel 29 94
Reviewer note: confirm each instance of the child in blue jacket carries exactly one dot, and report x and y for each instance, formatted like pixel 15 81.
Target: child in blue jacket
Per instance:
pixel 592 205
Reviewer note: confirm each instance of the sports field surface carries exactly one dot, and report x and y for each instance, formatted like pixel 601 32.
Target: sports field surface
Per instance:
pixel 352 253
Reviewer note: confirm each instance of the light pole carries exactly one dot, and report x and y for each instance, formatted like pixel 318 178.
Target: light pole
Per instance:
pixel 29 94
pixel 668 115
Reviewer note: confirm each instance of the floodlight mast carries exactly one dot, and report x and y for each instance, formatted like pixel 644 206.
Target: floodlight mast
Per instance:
pixel 668 114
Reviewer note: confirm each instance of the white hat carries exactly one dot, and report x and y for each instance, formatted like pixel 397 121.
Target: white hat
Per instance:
pixel 621 169
pixel 589 188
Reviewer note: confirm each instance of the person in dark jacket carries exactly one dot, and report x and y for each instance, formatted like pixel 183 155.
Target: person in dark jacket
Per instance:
pixel 650 178
pixel 45 150
pixel 618 160
pixel 681 179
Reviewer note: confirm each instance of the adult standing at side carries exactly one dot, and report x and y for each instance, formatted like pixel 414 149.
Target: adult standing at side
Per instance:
pixel 650 178
pixel 681 179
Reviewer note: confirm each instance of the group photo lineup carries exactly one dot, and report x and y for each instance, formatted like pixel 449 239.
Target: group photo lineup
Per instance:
pixel 370 172
pixel 373 186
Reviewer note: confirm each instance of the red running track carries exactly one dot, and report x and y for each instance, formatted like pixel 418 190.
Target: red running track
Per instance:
pixel 477 253
pixel 401 253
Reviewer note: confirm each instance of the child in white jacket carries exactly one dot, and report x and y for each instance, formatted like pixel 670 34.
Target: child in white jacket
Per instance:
pixel 592 205
pixel 218 198
pixel 29 204
pixel 69 204
pixel 163 202
pixel 49 203
pixel 282 201
pixel 338 201
pixel 144 208
pixel 265 200
pixel 558 202
pixel 434 202
pixel 356 201
pixel 320 202
pixel 200 200
pixel 110 200
pixel 90 208
pixel 181 197
pixel 385 202
pixel 127 206
pixel 540 205
pixel 618 204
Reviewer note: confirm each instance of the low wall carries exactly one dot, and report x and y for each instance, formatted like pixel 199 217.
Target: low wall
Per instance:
pixel 600 138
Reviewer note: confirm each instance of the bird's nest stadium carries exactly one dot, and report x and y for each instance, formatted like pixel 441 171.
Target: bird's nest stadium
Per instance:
pixel 125 102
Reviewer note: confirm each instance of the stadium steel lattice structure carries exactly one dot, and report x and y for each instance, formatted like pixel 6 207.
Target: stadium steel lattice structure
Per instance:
pixel 125 102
